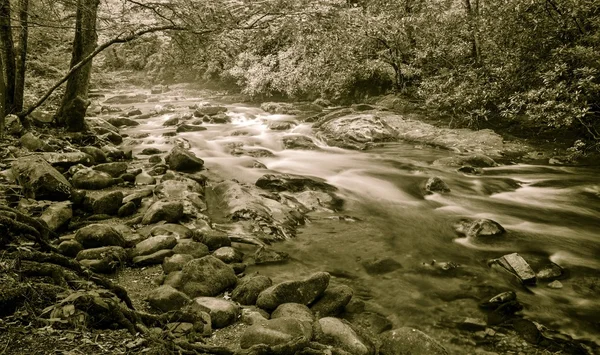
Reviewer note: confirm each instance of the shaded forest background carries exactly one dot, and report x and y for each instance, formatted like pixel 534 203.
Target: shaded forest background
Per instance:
pixel 528 65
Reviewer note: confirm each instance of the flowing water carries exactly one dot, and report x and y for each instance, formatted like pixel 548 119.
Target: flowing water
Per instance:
pixel 550 213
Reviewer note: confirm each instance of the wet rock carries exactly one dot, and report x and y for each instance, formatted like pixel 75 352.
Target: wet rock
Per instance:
pixel 252 152
pixel 166 298
pixel 190 247
pixel 475 160
pixel 222 312
pixel 96 153
pixel 209 111
pixel 126 99
pixel 66 160
pixel 555 284
pixel 248 289
pixel 220 118
pixel 516 265
pixel 173 121
pixel 122 121
pixel 134 112
pixel 144 179
pixel 33 143
pixel 281 125
pixel 104 259
pixel 113 153
pixel 300 291
pixel 70 248
pixel 294 310
pixel 176 262
pixel 333 301
pixel 100 126
pixel 169 211
pixel 154 244
pixel 127 209
pixel 151 151
pixel 190 128
pixel 379 266
pixel 228 255
pixel 238 268
pixel 340 334
pixel 183 160
pixel 363 107
pixel 471 324
pixel 176 230
pixel 105 202
pixel 498 300
pixel 207 276
pixel 90 179
pixel 279 108
pixel 408 340
pixel 299 142
pixel 550 272
pixel 267 256
pixel 115 169
pixel 12 125
pixel 371 321
pixel 213 239
pixel 137 196
pixel 476 229
pixel 155 160
pixel 276 334
pixel 152 259
pixel 57 215
pixel 40 180
pixel 470 170
pixel 292 183
pixel 99 235
pixel 435 184
pixel 356 131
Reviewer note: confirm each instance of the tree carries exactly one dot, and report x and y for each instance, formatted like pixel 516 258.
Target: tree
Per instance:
pixel 22 55
pixel 8 57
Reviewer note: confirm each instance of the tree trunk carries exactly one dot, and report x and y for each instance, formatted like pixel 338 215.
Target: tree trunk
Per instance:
pixel 472 19
pixel 71 113
pixel 2 100
pixel 22 60
pixel 8 56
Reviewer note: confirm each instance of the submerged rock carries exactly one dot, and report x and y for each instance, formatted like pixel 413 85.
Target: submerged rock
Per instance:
pixel 408 340
pixel 478 228
pixel 340 334
pixel 516 265
pixel 292 183
pixel 435 184
pixel 301 291
pixel 381 265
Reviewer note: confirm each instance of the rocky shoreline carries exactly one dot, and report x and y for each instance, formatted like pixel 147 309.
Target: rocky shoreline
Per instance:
pixel 157 224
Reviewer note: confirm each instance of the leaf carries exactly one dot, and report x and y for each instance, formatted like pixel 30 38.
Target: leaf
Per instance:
pixel 69 310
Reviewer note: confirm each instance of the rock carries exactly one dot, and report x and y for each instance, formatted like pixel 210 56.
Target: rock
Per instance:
pixel 379 266
pixel 40 180
pixel 115 169
pixel 470 170
pixel 435 184
pixel 281 125
pixel 127 209
pixel 104 259
pixel 279 108
pixel 90 179
pixel 516 265
pixel 222 312
pixel 99 235
pixel 248 289
pixel 155 160
pixel 57 215
pixel 169 211
pixel 228 255
pixel 153 244
pixel 213 239
pixel 363 107
pixel 478 228
pixel 277 333
pixel 407 340
pixel 471 324
pixel 252 152
pixel 356 131
pixel 190 247
pixel 152 259
pixel 144 179
pixel 166 298
pixel 333 301
pixel 371 321
pixel 183 160
pixel 105 203
pixel 301 291
pixel 177 230
pixel 33 143
pixel 220 118
pixel 122 121
pixel 70 248
pixel 253 315
pixel 292 183
pixel 550 272
pixel 126 99
pixel 113 152
pixel 137 196
pixel 96 153
pixel 266 256
pixel 180 329
pixel 499 300
pixel 294 310
pixel 173 279
pixel 151 151
pixel 12 125
pixel 299 142
pixel 134 112
pixel 207 276
pixel 475 160
pixel 175 262
pixel 209 111
pixel 555 284
pixel 66 160
pixel 340 334
pixel 173 121
pixel 189 128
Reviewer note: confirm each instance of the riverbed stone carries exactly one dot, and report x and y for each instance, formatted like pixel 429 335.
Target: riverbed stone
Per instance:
pixel 144 178
pixel 183 160
pixel 153 244
pixel 105 202
pixel 40 180
pixel 474 160
pixel 114 169
pixel 267 256
pixel 550 272
pixel 127 209
pixel 479 229
pixel 371 321
pixel 152 259
pixel 176 262
pixel 300 142
pixel 356 131
pixel 276 334
pixel 299 291
pixel 222 312
pixel 381 265
pixel 516 265
pixel 99 235
pixel 281 125
pixel 292 183
pixel 68 159
pixel 57 215
pixel 70 248
pixel 104 259
pixel 340 334
pixel 96 153
pixel 408 340
pixel 34 143
pixel 293 310
pixel 212 239
pixel 209 111
pixel 151 151
pixel 228 255
pixel 166 298
pixel 169 211
pixel 189 128
pixel 177 230
pixel 333 301
pixel 190 247
pixel 207 276
pixel 248 289
pixel 90 179
pixel 435 184
pixel 122 121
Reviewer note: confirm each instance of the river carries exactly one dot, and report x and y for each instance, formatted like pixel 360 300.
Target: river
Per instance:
pixel 550 212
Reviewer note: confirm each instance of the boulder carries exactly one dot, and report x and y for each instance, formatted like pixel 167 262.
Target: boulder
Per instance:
pixel 122 121
pixel 173 121
pixel 189 128
pixel 281 125
pixel 70 248
pixel 183 160
pixel 213 239
pixel 408 340
pixel 169 211
pixel 190 247
pixel 104 202
pixel 152 259
pixel 356 131
pixel 340 334
pixel 282 335
pixel 517 266
pixel 207 276
pixel 283 108
pixel 476 229
pixel 99 235
pixel 292 183
pixel 209 111
pixel 248 289
pixel 435 184
pixel 166 298
pixel 57 215
pixel 550 272
pixel 300 291
pixel 104 259
pixel 475 160
pixel 222 312
pixel 151 151
pixel 153 244
pixel 66 160
pixel 115 169
pixel 177 230
pixel 34 143
pixel 96 153
pixel 383 265
pixel 144 179
pixel 90 179
pixel 268 256
pixel 127 209
pixel 175 262
pixel 299 142
pixel 228 255
pixel 40 180
pixel 12 125
pixel 294 310
pixel 333 301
